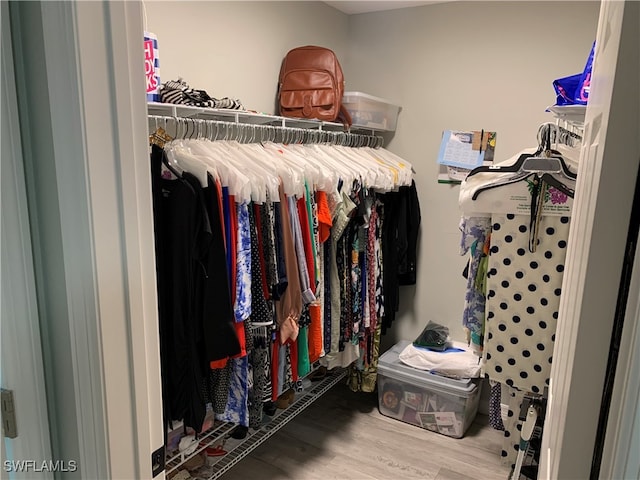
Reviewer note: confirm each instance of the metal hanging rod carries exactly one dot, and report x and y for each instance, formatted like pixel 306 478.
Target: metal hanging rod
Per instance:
pixel 553 133
pixel 186 127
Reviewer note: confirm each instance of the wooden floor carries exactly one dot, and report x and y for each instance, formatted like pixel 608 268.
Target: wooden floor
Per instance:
pixel 343 436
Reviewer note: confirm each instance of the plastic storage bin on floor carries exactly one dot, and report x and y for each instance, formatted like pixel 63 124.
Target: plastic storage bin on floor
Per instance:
pixel 444 405
pixel 371 112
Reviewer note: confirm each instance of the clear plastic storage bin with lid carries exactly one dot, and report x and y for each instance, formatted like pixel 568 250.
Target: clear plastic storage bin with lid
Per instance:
pixel 444 405
pixel 371 112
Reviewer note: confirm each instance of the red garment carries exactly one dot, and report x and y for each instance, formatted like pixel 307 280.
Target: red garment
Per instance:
pixel 315 333
pixel 241 338
pixel 218 363
pixel 324 216
pixel 306 240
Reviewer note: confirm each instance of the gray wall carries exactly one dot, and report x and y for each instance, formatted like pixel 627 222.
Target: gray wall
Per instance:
pixel 462 65
pixel 459 65
pixel 234 49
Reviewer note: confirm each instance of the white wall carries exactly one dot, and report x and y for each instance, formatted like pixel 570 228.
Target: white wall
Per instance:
pixel 461 65
pixel 234 49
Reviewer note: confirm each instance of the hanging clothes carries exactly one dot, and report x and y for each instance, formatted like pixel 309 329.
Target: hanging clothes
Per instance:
pixel 523 298
pixel 475 238
pixel 220 340
pixel 399 243
pixel 271 258
pixel 529 228
pixel 289 306
pixel 408 235
pixel 261 310
pixel 183 238
pixel 237 410
pixel 515 227
pixel 335 296
pixel 259 373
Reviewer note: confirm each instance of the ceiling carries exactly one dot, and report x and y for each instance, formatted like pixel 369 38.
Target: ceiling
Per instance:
pixel 354 7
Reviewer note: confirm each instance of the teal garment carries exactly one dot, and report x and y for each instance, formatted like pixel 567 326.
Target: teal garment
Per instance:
pixel 481 274
pixel 313 227
pixel 304 367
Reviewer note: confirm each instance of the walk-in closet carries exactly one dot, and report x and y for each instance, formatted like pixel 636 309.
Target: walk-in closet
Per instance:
pixel 205 279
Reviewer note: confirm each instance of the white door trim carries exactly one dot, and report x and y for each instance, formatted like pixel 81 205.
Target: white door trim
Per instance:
pixel 128 202
pixel 120 193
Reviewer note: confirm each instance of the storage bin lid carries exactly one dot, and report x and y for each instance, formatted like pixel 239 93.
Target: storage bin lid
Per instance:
pixel 391 366
pixel 351 97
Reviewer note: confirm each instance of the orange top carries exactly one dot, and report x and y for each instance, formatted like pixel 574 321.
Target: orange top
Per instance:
pixel 324 216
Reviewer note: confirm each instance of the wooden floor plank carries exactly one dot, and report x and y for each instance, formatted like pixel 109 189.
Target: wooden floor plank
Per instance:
pixel 446 474
pixel 344 436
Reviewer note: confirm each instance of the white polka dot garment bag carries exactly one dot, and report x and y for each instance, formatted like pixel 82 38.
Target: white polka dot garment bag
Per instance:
pixel 529 203
pixel 523 296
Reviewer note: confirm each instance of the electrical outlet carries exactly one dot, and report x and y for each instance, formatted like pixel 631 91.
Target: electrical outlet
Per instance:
pixel 157 461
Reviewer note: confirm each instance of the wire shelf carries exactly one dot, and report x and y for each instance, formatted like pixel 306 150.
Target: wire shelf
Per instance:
pixel 238 116
pixel 252 118
pixel 572 114
pixel 238 449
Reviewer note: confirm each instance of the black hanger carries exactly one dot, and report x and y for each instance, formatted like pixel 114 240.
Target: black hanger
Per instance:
pixel 518 164
pixel 546 177
pixel 536 161
pixel 543 167
pixel 554 182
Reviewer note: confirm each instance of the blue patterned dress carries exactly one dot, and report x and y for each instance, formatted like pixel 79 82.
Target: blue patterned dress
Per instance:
pixel 475 232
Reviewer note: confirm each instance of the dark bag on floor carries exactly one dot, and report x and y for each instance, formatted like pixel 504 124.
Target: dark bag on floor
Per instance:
pixel 311 85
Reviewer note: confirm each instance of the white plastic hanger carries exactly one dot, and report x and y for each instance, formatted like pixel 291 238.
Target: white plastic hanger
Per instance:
pixel 179 154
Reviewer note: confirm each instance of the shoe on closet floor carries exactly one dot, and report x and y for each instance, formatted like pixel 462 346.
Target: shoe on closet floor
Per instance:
pixel 188 444
pixel 269 408
pixel 318 374
pixel 286 399
pixel 266 420
pixel 239 432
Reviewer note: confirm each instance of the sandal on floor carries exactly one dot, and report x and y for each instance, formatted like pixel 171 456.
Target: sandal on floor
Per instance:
pixel 286 399
pixel 318 374
pixel 216 451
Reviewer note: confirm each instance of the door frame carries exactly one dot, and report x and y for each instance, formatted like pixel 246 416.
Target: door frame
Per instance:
pixel 110 288
pixel 19 320
pixel 82 100
pixel 609 162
